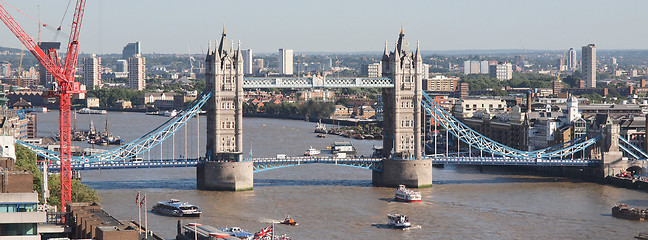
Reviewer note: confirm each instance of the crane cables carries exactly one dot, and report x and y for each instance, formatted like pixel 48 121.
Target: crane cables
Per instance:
pixel 64 14
pixel 47 26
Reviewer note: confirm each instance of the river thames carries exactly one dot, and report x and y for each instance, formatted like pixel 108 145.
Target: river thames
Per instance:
pixel 338 202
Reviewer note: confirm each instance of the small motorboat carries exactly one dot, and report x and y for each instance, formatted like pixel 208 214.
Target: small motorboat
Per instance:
pixel 321 135
pixel 289 221
pixel 398 221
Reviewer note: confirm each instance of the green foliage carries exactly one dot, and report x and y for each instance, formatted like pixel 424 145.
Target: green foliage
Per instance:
pixel 531 80
pixel 593 97
pixel 342 101
pixel 26 160
pixel 310 108
pixel 572 81
pixel 613 92
pixel 108 96
pixel 80 191
pixel 480 82
pixel 499 92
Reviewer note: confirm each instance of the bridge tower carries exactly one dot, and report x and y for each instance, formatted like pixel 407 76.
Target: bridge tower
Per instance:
pixel 611 156
pixel 223 168
pixel 402 118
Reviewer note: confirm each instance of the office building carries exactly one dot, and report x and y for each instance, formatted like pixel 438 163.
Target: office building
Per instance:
pixel 137 72
pixel 131 50
pixel 589 65
pixel 45 78
pixel 18 216
pixel 286 61
pixel 92 72
pixel 247 61
pixel 572 62
pixel 501 71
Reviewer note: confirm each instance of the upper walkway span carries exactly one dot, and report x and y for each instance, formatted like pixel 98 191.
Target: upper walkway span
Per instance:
pixel 317 82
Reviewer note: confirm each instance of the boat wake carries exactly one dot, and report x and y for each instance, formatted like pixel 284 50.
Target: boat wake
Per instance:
pixel 268 220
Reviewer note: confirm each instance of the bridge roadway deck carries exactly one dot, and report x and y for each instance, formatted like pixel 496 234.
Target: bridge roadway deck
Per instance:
pixel 263 164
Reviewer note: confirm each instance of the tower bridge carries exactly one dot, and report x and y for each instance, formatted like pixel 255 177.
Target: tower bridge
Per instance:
pixel 601 151
pixel 402 94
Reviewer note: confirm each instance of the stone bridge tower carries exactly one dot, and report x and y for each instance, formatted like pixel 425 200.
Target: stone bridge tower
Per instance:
pixel 223 169
pixel 402 119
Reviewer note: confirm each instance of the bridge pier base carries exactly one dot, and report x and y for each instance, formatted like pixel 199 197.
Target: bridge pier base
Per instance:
pixel 225 176
pixel 412 173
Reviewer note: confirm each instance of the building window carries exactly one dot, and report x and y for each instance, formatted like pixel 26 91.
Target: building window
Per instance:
pixel 18 229
pixel 20 207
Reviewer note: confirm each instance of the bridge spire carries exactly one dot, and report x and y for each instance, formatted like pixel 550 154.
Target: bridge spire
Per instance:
pixel 223 43
pixel 401 46
pixel 386 52
pixel 417 55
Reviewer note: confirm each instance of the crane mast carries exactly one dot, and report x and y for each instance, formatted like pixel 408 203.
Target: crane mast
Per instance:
pixel 63 89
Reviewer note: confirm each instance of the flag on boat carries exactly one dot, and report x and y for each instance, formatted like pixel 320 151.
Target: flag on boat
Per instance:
pixel 266 232
pixel 143 200
pixel 137 198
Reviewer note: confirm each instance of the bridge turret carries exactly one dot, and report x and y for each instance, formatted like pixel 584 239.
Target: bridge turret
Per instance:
pixel 223 169
pixel 402 120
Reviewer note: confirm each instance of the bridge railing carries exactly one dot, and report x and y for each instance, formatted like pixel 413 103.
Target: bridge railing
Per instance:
pixel 139 145
pixel 513 161
pixel 631 149
pixel 473 138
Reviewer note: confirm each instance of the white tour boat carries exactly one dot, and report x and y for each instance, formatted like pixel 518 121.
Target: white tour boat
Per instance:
pixel 404 194
pixel 312 152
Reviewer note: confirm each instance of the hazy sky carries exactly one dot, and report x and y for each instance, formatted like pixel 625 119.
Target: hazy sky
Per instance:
pixel 178 26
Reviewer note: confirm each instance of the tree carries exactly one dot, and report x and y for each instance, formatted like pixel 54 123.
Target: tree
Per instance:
pixel 593 97
pixel 80 191
pixel 26 160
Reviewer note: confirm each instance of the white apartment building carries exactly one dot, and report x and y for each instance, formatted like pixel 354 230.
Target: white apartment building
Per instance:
pixel 501 71
pixel 588 65
pixel 286 61
pixel 441 83
pixel 466 107
pixel 374 70
pixel 476 67
pixel 92 72
pixel 247 61
pixel 572 62
pixel 122 66
pixel 137 72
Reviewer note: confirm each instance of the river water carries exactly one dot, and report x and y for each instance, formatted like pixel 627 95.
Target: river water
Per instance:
pixel 337 202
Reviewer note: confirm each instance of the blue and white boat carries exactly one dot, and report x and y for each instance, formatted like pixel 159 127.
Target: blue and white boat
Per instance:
pixel 175 207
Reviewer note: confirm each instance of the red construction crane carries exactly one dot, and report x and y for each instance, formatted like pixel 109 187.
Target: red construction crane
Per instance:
pixel 64 87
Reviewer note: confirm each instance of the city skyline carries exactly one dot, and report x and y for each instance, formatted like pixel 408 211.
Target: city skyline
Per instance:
pixel 338 26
